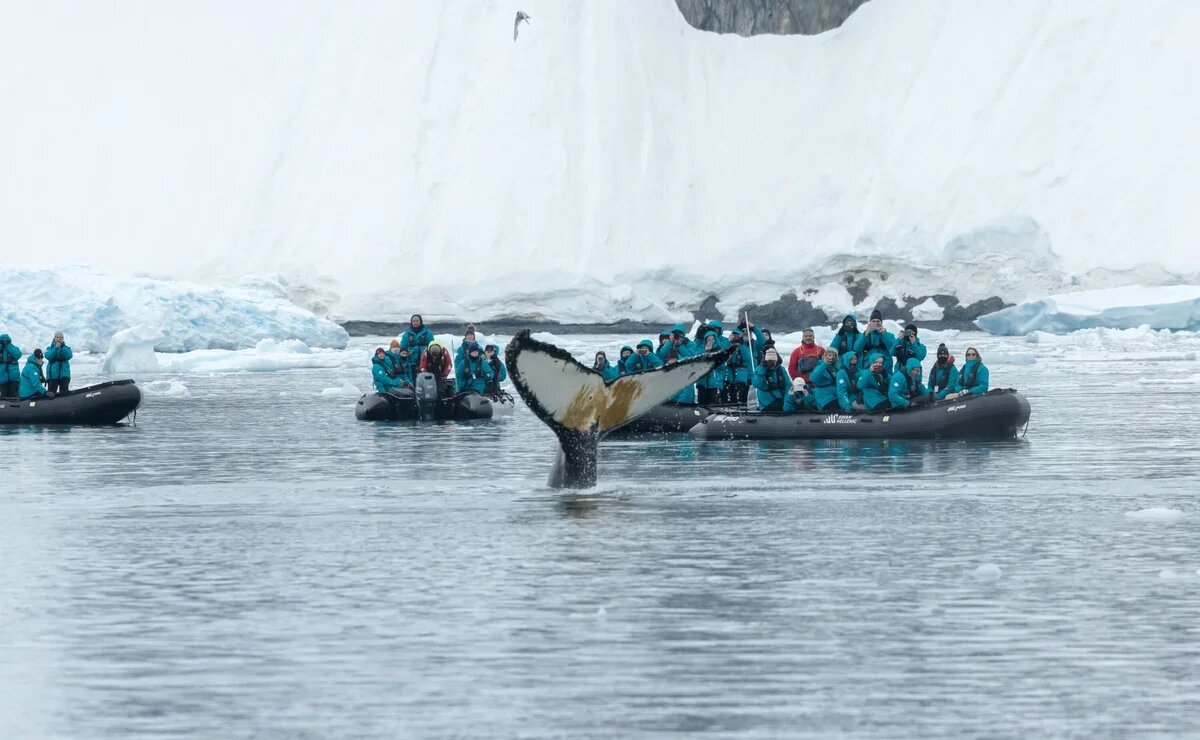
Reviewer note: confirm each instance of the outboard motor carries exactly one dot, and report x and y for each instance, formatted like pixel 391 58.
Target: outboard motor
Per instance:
pixel 426 386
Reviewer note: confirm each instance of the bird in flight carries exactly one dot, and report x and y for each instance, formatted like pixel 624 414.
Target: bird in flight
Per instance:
pixel 521 16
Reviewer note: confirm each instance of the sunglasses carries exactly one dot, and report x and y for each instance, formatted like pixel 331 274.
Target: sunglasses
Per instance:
pixel 972 354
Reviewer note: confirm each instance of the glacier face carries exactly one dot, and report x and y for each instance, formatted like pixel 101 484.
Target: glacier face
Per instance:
pixel 612 162
pixel 93 308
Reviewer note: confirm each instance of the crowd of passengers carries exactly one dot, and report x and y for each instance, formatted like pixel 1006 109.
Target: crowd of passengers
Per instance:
pixel 46 373
pixel 477 368
pixel 863 369
pixel 867 369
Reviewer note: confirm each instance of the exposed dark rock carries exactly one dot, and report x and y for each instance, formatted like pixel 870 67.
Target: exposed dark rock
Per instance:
pixel 752 17
pixel 707 310
pixel 857 288
pixel 893 312
pixel 789 313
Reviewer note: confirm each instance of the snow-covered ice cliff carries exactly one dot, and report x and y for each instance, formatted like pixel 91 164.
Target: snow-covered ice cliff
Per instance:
pixel 612 162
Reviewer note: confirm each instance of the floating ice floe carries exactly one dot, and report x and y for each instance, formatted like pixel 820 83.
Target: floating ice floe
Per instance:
pixel 1169 307
pixel 345 390
pixel 987 572
pixel 165 389
pixel 132 351
pixel 267 356
pixel 91 307
pixel 1156 514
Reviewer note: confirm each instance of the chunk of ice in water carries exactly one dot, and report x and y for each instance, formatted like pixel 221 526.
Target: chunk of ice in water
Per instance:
pixel 988 572
pixel 1156 514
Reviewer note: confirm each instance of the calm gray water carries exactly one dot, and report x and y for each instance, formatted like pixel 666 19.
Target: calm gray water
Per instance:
pixel 250 561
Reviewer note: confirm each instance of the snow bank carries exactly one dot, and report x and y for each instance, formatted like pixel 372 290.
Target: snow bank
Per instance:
pixel 1155 514
pixel 1169 307
pixel 90 307
pixel 132 351
pixel 613 162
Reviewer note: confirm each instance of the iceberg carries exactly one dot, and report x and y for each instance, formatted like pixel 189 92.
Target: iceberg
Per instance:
pixel 91 307
pixel 1175 307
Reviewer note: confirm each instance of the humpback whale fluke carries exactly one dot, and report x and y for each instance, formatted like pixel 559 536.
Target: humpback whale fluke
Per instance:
pixel 521 16
pixel 581 407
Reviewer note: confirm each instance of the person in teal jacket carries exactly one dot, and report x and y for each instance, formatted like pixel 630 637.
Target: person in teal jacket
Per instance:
pixel 664 344
pixel 847 383
pixel 878 340
pixel 824 382
pixel 773 385
pixel 469 373
pixel 873 382
pixel 401 366
pixel 712 385
pixel 493 369
pixel 847 336
pixel 607 370
pixel 909 346
pixel 468 338
pixel 643 359
pixel 974 376
pixel 737 368
pixel 626 353
pixel 58 365
pixel 10 368
pixel 943 376
pixel 678 339
pixel 906 389
pixel 674 354
pixel 417 337
pixel 381 372
pixel 31 378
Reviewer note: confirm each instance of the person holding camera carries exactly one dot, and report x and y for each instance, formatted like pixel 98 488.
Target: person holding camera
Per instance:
pixel 10 369
pixel 32 379
pixel 909 347
pixel 738 369
pixel 773 385
pixel 873 382
pixel 906 389
pixel 849 396
pixel 58 365
pixel 825 382
pixel 847 336
pixel 877 340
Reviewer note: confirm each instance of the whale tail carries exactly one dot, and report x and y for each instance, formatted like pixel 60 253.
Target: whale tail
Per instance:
pixel 580 407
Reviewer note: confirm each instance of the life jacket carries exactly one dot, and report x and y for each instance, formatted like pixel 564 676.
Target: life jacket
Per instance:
pixel 643 363
pixel 874 340
pixel 8 360
pixel 913 386
pixel 847 338
pixel 493 386
pixel 472 368
pixel 436 365
pixel 904 351
pixel 735 360
pixel 808 363
pixel 775 382
pixel 939 375
pixel 880 380
pixel 966 381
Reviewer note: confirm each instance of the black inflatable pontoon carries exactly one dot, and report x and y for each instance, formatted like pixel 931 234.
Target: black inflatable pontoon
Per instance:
pixel 670 418
pixel 997 414
pixel 107 403
pixel 422 402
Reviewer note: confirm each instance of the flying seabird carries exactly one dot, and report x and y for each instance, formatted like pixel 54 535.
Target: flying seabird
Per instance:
pixel 521 16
